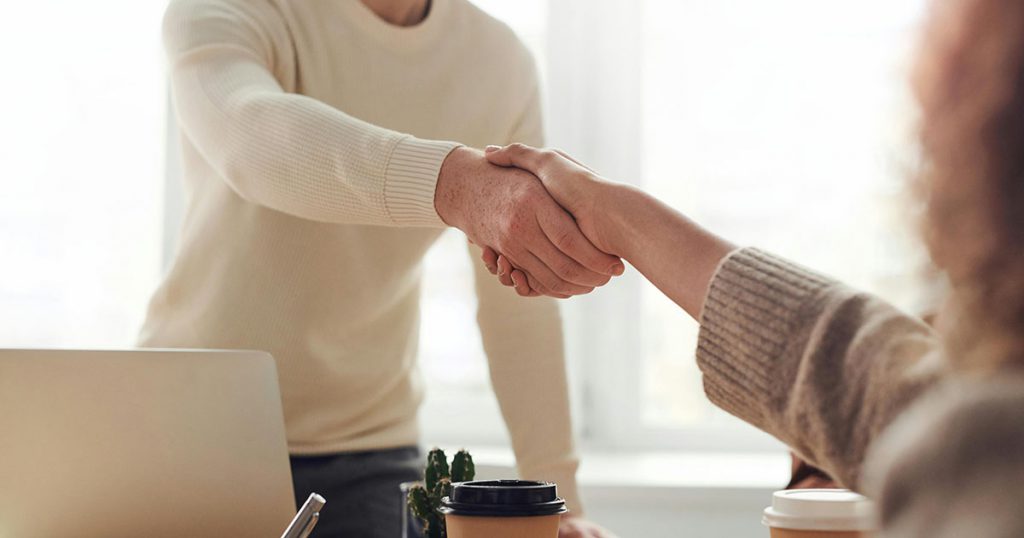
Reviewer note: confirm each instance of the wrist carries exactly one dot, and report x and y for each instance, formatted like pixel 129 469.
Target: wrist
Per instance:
pixel 450 192
pixel 621 204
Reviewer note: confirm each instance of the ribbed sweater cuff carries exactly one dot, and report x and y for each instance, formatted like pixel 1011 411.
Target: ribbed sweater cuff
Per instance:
pixel 410 180
pixel 750 313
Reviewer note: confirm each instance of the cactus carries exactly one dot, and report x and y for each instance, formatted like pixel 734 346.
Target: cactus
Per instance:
pixel 425 499
pixel 437 468
pixel 463 469
pixel 422 507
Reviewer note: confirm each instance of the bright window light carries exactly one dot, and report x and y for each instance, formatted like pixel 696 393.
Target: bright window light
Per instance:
pixel 83 107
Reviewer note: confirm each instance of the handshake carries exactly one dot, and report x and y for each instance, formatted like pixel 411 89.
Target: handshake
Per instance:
pixel 538 215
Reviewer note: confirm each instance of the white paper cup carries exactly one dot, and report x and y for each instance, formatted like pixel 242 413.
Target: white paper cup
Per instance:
pixel 819 513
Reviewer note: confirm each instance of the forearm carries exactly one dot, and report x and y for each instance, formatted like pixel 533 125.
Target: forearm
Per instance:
pixel 815 363
pixel 673 252
pixel 296 155
pixel 230 64
pixel 775 337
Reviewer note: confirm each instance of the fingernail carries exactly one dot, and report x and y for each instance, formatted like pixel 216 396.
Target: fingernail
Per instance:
pixel 490 149
pixel 618 269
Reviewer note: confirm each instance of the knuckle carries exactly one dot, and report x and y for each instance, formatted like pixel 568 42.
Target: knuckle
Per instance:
pixel 527 194
pixel 563 288
pixel 565 239
pixel 507 228
pixel 518 206
pixel 504 239
pixel 569 270
pixel 521 223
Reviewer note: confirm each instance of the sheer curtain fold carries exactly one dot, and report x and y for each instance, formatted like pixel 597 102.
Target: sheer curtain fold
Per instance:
pixel 594 110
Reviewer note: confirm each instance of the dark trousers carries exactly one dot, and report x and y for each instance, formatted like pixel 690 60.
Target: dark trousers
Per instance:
pixel 362 489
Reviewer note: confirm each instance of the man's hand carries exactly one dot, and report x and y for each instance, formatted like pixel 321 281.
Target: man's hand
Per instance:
pixel 676 254
pixel 578 527
pixel 574 186
pixel 509 211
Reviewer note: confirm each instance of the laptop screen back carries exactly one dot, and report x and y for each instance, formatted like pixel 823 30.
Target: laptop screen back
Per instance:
pixel 142 443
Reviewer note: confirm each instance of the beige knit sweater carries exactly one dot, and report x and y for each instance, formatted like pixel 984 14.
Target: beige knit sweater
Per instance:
pixel 853 384
pixel 312 135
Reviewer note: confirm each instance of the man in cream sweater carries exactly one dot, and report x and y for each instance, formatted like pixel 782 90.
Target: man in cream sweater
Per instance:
pixel 317 177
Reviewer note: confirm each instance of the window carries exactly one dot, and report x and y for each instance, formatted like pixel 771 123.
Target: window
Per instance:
pixel 781 124
pixel 451 355
pixel 83 96
pixel 784 125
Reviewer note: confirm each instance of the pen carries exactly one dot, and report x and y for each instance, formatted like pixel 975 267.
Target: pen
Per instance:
pixel 304 521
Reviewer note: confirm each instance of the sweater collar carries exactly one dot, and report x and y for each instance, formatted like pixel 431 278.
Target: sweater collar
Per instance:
pixel 398 38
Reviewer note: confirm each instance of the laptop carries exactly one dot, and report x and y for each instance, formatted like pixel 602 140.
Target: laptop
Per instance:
pixel 156 443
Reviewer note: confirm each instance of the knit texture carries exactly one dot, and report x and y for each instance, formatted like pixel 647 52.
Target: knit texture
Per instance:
pixel 409 182
pixel 863 391
pixel 753 304
pixel 312 138
pixel 821 366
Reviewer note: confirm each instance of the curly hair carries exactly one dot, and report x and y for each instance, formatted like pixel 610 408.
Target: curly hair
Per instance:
pixel 970 85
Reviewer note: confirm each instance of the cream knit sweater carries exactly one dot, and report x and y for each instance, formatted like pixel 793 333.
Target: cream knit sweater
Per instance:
pixel 310 133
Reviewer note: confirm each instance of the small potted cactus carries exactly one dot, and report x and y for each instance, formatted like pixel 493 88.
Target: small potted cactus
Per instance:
pixel 425 499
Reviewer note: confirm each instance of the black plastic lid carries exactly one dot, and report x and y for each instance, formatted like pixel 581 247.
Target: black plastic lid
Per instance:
pixel 503 498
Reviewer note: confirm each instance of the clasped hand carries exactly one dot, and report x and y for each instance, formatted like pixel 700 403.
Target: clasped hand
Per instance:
pixel 532 213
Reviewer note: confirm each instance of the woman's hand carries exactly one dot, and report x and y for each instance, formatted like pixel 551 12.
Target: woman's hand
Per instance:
pixel 574 186
pixel 510 210
pixel 676 254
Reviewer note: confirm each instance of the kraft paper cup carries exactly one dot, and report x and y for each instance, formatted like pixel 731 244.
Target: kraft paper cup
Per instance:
pixel 819 513
pixel 503 509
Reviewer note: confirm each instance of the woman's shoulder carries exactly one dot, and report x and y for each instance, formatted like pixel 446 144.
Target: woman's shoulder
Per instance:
pixel 953 465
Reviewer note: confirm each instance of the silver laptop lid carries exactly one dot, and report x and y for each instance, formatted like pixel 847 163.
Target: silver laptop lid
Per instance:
pixel 142 443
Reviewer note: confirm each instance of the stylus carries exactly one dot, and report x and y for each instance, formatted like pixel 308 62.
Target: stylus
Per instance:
pixel 309 527
pixel 304 521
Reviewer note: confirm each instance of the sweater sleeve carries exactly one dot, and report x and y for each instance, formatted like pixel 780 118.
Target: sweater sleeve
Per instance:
pixel 820 366
pixel 286 151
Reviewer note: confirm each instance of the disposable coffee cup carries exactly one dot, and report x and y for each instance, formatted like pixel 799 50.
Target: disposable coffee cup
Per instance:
pixel 819 513
pixel 503 509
